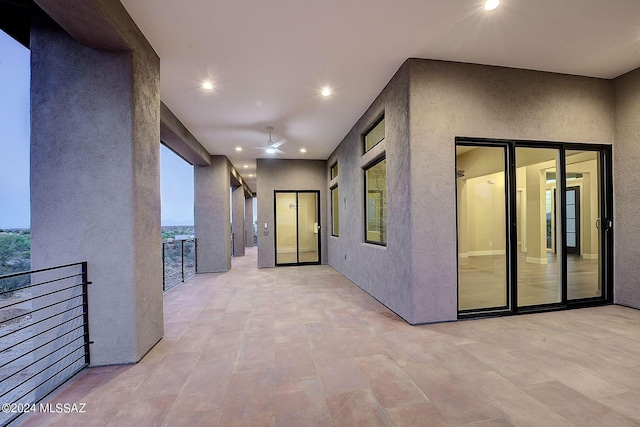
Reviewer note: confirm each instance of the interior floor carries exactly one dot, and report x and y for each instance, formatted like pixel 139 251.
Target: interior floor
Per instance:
pixel 482 280
pixel 290 257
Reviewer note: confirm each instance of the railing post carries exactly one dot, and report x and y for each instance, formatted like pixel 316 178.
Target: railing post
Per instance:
pixel 182 257
pixel 195 254
pixel 163 270
pixel 85 312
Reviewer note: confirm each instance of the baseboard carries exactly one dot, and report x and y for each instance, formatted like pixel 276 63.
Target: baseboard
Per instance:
pixel 486 253
pixel 532 260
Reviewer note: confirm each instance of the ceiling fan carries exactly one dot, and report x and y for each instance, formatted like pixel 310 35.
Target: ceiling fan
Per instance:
pixel 272 147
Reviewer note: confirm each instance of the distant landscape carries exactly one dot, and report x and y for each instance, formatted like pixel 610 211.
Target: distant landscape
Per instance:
pixel 15 251
pixel 171 231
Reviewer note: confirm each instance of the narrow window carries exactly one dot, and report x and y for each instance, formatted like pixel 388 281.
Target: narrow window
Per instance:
pixel 335 220
pixel 334 170
pixel 375 189
pixel 374 135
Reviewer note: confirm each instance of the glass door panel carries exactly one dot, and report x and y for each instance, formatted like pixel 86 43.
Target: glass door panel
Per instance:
pixel 286 228
pixel 583 216
pixel 482 228
pixel 539 268
pixel 308 228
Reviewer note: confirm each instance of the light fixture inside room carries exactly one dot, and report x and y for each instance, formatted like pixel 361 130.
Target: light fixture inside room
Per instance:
pixel 491 5
pixel 238 148
pixel 326 91
pixel 270 150
pixel 303 150
pixel 207 85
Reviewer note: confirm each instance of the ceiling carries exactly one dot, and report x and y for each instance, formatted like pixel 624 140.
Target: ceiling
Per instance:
pixel 269 59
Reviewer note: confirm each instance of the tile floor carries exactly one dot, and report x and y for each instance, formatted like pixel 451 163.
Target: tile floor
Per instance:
pixel 303 346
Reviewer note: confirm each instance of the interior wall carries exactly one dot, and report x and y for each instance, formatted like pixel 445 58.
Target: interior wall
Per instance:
pixel 450 99
pixel 382 271
pixel 626 157
pixel 295 175
pixel 485 215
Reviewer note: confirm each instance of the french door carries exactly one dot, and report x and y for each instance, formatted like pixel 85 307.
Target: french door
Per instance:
pixel 534 225
pixel 297 231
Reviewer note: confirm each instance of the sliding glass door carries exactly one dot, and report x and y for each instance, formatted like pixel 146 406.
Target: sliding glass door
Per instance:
pixel 534 225
pixel 297 219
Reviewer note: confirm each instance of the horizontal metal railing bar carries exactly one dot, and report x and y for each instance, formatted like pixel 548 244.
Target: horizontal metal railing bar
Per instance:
pixel 33 364
pixel 39 321
pixel 43 295
pixel 67 353
pixel 18 399
pixel 41 333
pixel 17 414
pixel 51 305
pixel 26 313
pixel 22 273
pixel 46 355
pixel 46 282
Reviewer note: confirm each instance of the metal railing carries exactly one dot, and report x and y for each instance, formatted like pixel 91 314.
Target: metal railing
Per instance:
pixel 178 261
pixel 44 334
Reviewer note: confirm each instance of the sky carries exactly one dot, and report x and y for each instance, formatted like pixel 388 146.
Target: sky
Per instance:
pixel 176 175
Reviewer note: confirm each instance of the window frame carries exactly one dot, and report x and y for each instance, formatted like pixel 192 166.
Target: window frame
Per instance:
pixel 370 129
pixel 369 166
pixel 335 212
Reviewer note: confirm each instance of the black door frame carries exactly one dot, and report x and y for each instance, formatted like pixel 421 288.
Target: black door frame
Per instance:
pixel 575 250
pixel 275 229
pixel 605 229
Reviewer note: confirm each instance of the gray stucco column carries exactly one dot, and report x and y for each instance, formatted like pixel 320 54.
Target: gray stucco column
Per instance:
pixel 238 221
pixel 248 222
pixel 212 215
pixel 95 181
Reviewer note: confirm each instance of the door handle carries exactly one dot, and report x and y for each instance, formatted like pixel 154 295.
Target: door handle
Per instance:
pixel 598 223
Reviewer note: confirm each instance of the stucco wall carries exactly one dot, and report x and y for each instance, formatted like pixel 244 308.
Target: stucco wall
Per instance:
pixel 382 271
pixel 278 174
pixel 95 188
pixel 455 99
pixel 627 189
pixel 238 221
pixel 212 215
pixel 248 222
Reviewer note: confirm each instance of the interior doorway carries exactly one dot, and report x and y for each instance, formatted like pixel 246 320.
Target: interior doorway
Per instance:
pixel 297 230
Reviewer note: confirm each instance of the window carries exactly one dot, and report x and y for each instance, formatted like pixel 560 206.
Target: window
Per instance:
pixel 335 220
pixel 375 190
pixel 374 135
pixel 334 170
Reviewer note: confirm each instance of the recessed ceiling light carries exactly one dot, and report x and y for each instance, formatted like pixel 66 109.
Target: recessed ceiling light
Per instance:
pixel 491 5
pixel 245 166
pixel 303 150
pixel 250 175
pixel 326 91
pixel 270 150
pixel 238 148
pixel 207 85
